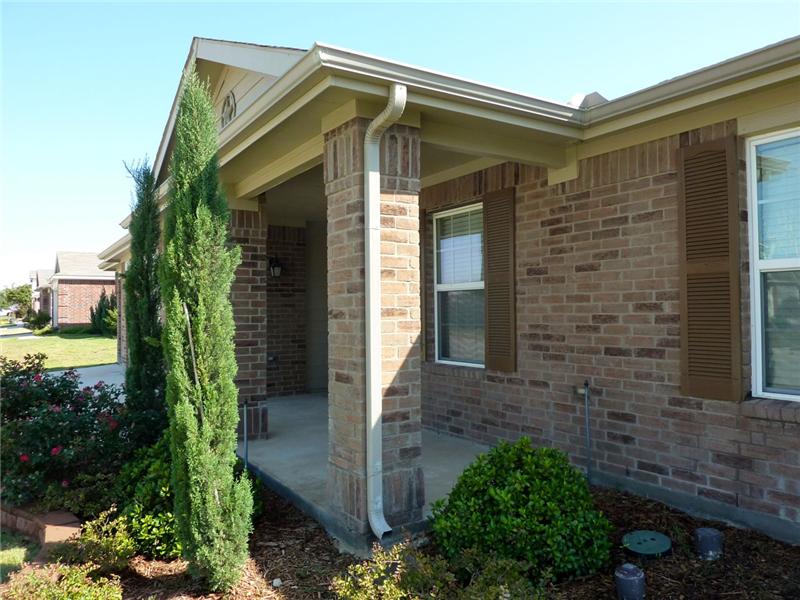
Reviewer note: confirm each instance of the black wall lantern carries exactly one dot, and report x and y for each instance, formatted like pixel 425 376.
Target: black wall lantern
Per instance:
pixel 275 267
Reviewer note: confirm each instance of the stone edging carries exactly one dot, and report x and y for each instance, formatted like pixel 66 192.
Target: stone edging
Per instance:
pixel 48 529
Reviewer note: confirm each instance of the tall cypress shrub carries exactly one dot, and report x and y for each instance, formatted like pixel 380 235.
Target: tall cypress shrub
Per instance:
pixel 144 375
pixel 212 507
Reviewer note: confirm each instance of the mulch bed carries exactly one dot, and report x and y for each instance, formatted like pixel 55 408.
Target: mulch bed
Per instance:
pixel 285 545
pixel 753 566
pixel 290 546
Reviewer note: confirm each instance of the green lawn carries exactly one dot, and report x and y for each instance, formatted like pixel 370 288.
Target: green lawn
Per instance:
pixel 14 550
pixel 63 350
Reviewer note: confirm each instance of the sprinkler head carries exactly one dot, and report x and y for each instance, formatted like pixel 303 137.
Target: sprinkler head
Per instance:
pixel 708 543
pixel 630 582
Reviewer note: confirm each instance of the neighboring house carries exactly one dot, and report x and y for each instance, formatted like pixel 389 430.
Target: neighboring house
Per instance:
pixel 41 290
pixel 515 248
pixel 77 283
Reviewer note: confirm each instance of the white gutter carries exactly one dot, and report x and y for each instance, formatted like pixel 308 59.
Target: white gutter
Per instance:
pixel 372 304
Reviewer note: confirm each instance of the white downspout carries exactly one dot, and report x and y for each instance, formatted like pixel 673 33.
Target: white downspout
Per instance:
pixel 372 304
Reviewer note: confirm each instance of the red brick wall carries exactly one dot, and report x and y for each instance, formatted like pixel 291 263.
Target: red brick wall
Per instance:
pixel 286 312
pixel 44 301
pixel 598 299
pixel 76 297
pixel 248 297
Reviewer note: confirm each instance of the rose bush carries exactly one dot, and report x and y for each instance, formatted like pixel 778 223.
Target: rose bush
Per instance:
pixel 53 432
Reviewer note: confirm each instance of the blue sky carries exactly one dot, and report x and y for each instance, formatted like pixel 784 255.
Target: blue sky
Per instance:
pixel 88 86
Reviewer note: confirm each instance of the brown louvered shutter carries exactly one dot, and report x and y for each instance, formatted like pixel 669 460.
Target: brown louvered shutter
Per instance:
pixel 498 216
pixel 423 283
pixel 709 234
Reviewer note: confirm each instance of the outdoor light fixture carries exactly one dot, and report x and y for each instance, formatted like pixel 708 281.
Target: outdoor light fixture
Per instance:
pixel 275 267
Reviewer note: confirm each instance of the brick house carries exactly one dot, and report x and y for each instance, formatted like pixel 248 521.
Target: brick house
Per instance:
pixel 41 290
pixel 76 285
pixel 515 248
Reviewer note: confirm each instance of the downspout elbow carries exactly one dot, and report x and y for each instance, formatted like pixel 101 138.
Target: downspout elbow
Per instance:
pixel 372 300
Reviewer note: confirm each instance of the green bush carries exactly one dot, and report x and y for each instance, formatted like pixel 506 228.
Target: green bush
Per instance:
pixel 53 433
pixel 145 484
pixel 102 321
pixel 38 320
pixel 104 542
pixel 89 494
pixel 144 491
pixel 62 582
pixel 526 505
pixel 153 533
pixel 399 573
pixel 406 573
pixel 110 321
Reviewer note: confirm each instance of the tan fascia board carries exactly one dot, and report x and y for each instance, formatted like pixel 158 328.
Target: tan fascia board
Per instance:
pixel 326 66
pixel 371 75
pixel 775 56
pixel 426 82
pixel 116 250
pixel 173 111
pixel 81 277
pixel 698 100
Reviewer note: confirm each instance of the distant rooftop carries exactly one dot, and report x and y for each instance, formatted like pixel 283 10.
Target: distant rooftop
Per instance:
pixel 40 278
pixel 76 265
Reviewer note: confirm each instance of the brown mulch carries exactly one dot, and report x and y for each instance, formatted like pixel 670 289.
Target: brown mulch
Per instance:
pixel 288 545
pixel 285 545
pixel 753 567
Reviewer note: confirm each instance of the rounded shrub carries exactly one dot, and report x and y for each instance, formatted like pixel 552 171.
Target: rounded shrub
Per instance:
pixel 525 504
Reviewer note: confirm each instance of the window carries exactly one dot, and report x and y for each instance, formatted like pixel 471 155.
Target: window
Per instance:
pixel 458 286
pixel 774 197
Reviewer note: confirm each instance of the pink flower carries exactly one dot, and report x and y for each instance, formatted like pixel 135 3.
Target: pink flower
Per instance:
pixel 37 378
pixel 99 385
pixel 112 423
pixel 56 450
pixel 65 483
pixel 55 408
pixel 24 458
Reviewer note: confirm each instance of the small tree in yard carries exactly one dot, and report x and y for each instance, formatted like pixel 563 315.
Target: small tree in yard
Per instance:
pixel 144 375
pixel 103 316
pixel 20 297
pixel 212 506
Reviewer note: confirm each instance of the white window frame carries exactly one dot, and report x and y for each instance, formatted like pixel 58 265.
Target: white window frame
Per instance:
pixel 759 266
pixel 451 287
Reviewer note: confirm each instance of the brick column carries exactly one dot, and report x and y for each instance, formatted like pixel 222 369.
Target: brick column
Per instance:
pixel 249 300
pixel 401 326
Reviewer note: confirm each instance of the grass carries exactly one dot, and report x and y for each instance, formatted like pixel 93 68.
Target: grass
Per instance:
pixel 14 550
pixel 64 350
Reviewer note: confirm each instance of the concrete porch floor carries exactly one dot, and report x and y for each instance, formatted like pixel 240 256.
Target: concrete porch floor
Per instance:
pixel 294 459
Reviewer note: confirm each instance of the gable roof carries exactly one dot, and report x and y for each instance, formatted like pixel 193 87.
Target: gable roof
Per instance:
pixel 41 278
pixel 270 61
pixel 79 265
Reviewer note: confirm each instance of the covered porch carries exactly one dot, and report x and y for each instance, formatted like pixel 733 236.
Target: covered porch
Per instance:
pixel 294 457
pixel 323 173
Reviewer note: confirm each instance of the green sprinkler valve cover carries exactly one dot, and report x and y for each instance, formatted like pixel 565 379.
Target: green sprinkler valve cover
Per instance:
pixel 647 544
